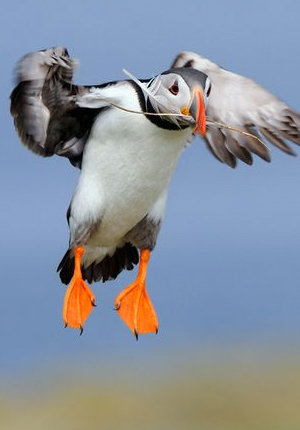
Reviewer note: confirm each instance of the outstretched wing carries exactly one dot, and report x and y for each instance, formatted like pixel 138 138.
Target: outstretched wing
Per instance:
pixel 44 105
pixel 239 102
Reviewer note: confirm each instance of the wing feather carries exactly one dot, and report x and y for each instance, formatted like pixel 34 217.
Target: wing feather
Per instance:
pixel 240 102
pixel 276 141
pixel 237 150
pixel 44 105
pixel 215 139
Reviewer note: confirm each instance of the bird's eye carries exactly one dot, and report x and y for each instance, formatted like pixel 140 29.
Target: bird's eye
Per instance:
pixel 174 89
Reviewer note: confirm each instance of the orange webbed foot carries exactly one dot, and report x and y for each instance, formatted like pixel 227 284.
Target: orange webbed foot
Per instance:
pixel 134 305
pixel 79 299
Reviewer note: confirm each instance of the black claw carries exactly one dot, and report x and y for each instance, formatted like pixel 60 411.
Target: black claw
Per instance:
pixel 81 330
pixel 136 334
pixel 118 305
pixel 94 304
pixel 156 331
pixel 65 325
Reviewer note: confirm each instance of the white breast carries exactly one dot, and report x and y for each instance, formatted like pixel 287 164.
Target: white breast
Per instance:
pixel 127 164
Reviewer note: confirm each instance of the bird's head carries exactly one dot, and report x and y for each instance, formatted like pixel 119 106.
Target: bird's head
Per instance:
pixel 178 97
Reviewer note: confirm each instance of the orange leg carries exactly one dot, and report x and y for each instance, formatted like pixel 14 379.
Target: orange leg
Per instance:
pixel 134 305
pixel 79 299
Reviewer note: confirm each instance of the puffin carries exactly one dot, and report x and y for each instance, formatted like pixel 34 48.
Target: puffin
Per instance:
pixel 126 138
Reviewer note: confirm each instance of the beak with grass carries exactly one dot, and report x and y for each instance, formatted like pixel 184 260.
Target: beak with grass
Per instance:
pixel 176 99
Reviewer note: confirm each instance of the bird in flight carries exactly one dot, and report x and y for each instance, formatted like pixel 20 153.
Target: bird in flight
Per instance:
pixel 126 138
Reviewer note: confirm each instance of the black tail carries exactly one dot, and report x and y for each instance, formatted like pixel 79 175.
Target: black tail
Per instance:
pixel 109 268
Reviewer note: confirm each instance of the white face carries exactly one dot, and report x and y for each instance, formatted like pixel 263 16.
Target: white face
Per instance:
pixel 173 92
pixel 178 100
pixel 170 93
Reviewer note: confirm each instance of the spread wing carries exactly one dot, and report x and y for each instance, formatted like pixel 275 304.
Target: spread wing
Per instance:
pixel 44 105
pixel 237 101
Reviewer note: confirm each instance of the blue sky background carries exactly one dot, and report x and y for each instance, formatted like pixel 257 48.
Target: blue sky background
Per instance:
pixel 226 268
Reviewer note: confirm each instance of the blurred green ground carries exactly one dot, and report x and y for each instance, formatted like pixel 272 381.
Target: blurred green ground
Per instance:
pixel 203 391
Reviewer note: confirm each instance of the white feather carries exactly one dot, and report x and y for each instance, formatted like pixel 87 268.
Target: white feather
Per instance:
pixel 152 90
pixel 127 165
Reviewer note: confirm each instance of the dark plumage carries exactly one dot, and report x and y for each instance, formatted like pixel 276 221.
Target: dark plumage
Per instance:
pixel 109 268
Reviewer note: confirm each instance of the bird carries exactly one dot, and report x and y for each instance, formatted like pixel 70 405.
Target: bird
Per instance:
pixel 126 138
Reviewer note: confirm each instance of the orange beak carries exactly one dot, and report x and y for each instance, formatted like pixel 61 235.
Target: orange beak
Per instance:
pixel 197 111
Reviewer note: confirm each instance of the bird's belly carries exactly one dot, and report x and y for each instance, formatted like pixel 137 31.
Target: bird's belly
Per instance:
pixel 123 175
pixel 130 185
